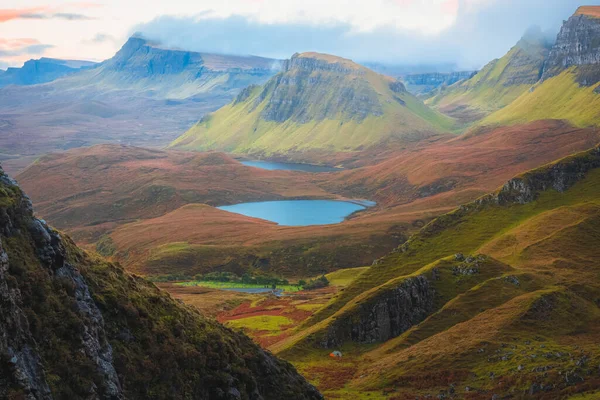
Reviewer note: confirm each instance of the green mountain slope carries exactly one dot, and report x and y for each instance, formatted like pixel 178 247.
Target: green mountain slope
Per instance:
pixel 319 102
pixel 73 326
pixel 498 83
pixel 569 89
pixel 427 319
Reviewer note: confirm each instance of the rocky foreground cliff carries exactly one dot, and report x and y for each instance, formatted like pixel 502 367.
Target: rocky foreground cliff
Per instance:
pixel 73 326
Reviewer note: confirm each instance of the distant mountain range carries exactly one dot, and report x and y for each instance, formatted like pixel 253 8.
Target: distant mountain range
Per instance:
pixel 43 70
pixel 144 95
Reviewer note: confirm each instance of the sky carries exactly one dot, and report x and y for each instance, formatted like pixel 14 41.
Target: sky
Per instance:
pixel 466 33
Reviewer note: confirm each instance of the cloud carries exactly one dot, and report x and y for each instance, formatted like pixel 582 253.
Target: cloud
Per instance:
pixel 66 16
pixel 482 30
pixel 19 48
pixel 101 38
pixel 42 13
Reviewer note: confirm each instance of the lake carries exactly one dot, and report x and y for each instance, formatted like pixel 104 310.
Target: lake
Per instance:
pixel 298 212
pixel 272 165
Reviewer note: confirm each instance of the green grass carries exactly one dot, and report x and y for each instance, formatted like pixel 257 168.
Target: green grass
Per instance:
pixel 235 285
pixel 343 277
pixel 560 97
pixel 499 83
pixel 321 121
pixel 271 323
pixel 461 231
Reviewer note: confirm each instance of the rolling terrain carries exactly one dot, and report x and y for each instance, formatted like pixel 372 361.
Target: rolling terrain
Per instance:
pixel 495 298
pixel 145 95
pixel 321 104
pixel 75 326
pixel 145 207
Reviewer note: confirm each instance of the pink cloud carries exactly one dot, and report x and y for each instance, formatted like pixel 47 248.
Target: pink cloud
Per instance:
pixel 10 14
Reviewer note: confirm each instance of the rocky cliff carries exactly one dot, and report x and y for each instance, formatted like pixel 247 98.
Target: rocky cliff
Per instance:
pixel 385 316
pixel 426 83
pixel 74 326
pixel 577 44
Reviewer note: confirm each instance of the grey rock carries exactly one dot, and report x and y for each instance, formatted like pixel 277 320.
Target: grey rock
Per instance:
pixel 385 316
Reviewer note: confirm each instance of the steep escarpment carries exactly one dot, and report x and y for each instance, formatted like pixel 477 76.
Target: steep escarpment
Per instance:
pixel 577 44
pixel 74 326
pixel 319 103
pixel 386 317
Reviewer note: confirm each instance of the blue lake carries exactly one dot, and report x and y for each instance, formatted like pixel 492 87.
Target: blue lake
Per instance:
pixel 272 165
pixel 298 212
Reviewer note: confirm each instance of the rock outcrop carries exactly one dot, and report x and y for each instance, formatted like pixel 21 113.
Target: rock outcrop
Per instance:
pixel 385 316
pixel 577 44
pixel 73 326
pixel 558 176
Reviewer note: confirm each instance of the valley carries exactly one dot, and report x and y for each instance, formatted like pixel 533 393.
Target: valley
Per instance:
pixel 304 228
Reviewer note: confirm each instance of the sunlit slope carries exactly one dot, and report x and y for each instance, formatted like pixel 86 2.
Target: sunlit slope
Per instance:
pixel 560 97
pixel 498 83
pixel 319 102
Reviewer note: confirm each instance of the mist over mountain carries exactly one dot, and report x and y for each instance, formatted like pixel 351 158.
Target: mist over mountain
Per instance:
pixel 479 34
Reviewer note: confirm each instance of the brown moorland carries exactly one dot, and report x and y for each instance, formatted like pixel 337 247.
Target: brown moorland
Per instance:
pixel 146 201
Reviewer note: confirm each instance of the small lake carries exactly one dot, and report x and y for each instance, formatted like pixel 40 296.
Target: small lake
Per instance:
pixel 298 212
pixel 272 165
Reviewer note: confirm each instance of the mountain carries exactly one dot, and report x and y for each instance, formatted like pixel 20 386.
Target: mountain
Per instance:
pixel 569 85
pixel 75 326
pixel 145 95
pixel 495 299
pixel 318 103
pixel 43 70
pixel 498 83
pixel 425 84
pixel 143 65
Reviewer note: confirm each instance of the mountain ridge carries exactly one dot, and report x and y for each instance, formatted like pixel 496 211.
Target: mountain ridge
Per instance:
pixel 318 102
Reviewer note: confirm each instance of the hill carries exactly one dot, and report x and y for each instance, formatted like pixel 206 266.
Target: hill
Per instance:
pixel 496 298
pixel 318 103
pixel 143 207
pixel 498 83
pixel 568 88
pixel 44 70
pixel 145 95
pixel 75 326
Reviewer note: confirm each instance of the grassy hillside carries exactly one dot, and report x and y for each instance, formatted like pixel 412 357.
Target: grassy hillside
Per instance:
pixel 319 102
pixel 519 317
pixel 560 97
pixel 498 83
pixel 73 326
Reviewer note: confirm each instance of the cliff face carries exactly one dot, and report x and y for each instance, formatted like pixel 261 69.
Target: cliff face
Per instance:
pixel 73 326
pixel 425 83
pixel 385 316
pixel 577 44
pixel 559 176
pixel 316 89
